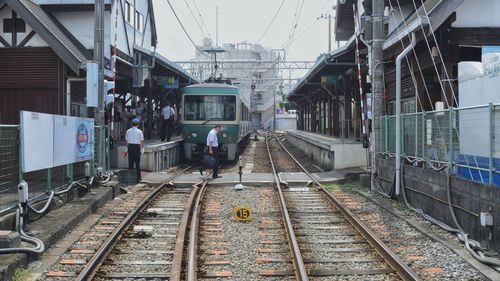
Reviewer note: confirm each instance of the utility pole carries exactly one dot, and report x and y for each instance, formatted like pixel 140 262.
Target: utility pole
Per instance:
pixel 329 33
pixel 99 58
pixel 329 18
pixel 377 68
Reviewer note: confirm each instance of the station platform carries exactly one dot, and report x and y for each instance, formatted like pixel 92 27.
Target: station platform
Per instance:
pixel 157 155
pixel 254 179
pixel 329 153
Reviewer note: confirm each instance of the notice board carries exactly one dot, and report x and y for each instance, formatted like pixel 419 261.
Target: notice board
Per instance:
pixel 49 140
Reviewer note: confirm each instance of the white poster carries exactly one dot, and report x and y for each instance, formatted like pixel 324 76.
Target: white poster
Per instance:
pixel 54 140
pixel 37 141
pixel 64 142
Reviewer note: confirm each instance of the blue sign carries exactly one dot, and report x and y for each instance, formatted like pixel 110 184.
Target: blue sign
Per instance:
pixel 491 60
pixel 168 82
pixel 84 139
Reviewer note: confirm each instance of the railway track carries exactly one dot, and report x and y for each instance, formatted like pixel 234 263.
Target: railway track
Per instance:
pixel 221 248
pixel 328 241
pixel 144 239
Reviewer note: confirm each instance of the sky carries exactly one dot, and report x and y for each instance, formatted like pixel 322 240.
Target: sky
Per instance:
pixel 244 20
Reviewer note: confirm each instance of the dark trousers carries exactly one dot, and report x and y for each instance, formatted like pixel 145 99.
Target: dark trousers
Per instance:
pixel 167 129
pixel 134 157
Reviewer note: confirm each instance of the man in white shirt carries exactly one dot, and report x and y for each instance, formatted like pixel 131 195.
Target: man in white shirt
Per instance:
pixel 213 148
pixel 168 114
pixel 135 147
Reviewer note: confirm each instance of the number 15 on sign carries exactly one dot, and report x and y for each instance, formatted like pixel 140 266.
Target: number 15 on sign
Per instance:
pixel 242 214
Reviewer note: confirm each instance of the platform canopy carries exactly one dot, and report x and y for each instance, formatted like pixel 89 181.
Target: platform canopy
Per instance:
pixel 328 68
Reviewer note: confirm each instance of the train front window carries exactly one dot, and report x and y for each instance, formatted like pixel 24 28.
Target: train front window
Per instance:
pixel 205 108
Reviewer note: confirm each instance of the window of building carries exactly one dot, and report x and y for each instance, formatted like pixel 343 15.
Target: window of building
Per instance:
pixel 129 13
pixel 139 22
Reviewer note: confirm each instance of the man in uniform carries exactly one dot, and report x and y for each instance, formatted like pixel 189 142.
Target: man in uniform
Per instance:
pixel 213 148
pixel 168 114
pixel 135 147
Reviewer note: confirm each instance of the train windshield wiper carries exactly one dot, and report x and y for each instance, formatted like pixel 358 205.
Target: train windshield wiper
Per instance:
pixel 210 119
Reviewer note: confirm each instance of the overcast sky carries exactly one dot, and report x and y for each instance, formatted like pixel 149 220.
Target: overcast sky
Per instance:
pixel 244 20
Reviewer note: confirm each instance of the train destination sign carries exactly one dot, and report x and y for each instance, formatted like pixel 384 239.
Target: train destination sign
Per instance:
pixel 242 213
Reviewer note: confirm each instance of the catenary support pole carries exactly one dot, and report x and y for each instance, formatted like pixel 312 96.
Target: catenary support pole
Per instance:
pixel 398 110
pixel 99 58
pixel 377 81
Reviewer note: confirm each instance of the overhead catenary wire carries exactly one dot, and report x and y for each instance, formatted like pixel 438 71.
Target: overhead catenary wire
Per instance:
pixel 310 23
pixel 295 22
pixel 194 17
pixel 272 21
pixel 185 31
pixel 201 19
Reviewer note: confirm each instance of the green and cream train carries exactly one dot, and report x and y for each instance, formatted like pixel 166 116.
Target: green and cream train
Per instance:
pixel 204 106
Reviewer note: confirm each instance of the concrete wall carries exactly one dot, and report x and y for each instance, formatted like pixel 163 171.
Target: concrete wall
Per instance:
pixel 470 198
pixel 284 124
pixel 328 153
pixel 156 157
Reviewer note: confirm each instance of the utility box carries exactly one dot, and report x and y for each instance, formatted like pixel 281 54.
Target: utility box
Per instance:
pixel 9 239
pixel 486 219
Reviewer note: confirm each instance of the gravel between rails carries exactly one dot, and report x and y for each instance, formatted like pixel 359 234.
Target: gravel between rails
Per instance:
pixel 431 260
pixel 241 240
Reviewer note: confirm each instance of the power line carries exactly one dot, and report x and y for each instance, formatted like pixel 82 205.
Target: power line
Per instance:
pixel 194 17
pixel 201 18
pixel 272 21
pixel 305 27
pixel 292 34
pixel 184 29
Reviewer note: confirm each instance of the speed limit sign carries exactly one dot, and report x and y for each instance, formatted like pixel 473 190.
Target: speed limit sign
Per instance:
pixel 242 213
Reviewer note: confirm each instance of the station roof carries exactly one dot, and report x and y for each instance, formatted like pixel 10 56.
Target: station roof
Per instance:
pixel 65 45
pixel 165 66
pixel 335 63
pixel 176 69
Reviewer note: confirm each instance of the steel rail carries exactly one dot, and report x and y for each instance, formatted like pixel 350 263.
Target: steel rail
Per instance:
pixel 176 269
pixel 91 268
pixel 399 266
pixel 191 273
pixel 298 261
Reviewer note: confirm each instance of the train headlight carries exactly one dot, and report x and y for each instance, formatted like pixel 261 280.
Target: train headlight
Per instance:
pixel 224 135
pixel 194 135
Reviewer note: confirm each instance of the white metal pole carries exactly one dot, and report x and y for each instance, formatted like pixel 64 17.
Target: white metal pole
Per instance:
pixel 398 111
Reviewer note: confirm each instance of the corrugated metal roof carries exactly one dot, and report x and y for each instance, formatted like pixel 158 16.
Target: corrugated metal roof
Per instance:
pixel 59 38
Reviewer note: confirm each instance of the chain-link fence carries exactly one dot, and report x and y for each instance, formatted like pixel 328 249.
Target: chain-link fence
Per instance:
pixel 465 139
pixel 41 181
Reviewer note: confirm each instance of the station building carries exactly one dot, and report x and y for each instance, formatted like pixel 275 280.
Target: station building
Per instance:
pixel 45 46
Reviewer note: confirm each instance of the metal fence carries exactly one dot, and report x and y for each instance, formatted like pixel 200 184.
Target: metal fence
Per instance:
pixel 466 140
pixel 42 181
